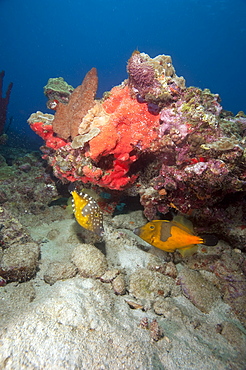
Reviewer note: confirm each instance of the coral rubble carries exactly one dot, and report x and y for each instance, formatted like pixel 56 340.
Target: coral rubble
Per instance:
pixel 153 136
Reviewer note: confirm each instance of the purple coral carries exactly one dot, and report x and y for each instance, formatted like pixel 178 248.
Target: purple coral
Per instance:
pixel 172 118
pixel 141 75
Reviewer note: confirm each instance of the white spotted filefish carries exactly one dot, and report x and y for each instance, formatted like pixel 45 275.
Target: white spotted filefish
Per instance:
pixel 87 212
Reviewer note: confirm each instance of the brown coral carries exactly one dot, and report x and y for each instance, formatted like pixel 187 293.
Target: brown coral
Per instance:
pixel 68 117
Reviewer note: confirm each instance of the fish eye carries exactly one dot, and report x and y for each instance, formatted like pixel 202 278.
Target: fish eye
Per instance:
pixel 96 214
pixel 151 227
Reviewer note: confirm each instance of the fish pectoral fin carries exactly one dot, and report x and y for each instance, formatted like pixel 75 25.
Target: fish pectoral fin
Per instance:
pixel 189 250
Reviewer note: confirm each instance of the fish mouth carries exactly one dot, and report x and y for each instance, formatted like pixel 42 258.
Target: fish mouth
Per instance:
pixel 137 231
pixel 102 233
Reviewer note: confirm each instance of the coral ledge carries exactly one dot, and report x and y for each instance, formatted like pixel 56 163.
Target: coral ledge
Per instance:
pixel 173 145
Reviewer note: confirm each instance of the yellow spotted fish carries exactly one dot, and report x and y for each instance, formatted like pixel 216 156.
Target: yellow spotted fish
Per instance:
pixel 87 212
pixel 169 236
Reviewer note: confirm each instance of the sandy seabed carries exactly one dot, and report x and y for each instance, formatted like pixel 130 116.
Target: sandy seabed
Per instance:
pixel 114 305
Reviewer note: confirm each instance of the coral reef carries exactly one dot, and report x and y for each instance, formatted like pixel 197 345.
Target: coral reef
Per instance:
pixel 110 153
pixel 4 101
pixel 151 136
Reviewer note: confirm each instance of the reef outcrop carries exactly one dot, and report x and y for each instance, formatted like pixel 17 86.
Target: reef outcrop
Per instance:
pixel 173 145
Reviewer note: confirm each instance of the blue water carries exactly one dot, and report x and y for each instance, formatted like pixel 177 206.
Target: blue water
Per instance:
pixel 43 39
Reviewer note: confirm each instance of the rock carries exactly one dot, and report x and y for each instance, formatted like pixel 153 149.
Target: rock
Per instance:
pixel 129 221
pixel 19 253
pixel 233 298
pixel 79 325
pixel 25 167
pixel 14 301
pixel 168 269
pixel 59 271
pixel 226 270
pixel 134 305
pixel 201 292
pixel 233 334
pixel 146 284
pixel 119 285
pixel 156 331
pixel 89 260
pixel 12 232
pixel 109 276
pixel 232 280
pixel 19 262
pixel 52 234
pixel 3 281
pixel 167 308
pixel 3 196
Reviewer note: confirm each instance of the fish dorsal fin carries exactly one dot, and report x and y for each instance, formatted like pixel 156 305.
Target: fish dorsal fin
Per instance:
pixel 183 223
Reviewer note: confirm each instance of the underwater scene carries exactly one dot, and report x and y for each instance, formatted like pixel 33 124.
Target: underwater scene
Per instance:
pixel 123 185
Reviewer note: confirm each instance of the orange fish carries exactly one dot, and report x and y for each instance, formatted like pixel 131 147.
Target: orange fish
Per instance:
pixel 177 234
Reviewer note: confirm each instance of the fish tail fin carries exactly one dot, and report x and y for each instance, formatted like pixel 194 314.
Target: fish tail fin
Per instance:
pixel 209 239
